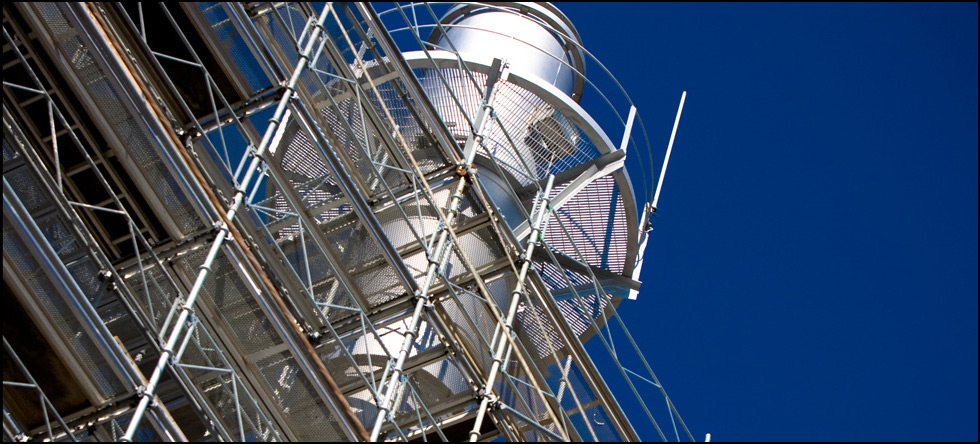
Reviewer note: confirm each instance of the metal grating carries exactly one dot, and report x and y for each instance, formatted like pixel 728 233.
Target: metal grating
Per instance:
pixel 232 44
pixel 549 144
pixel 596 222
pixel 307 415
pixel 310 244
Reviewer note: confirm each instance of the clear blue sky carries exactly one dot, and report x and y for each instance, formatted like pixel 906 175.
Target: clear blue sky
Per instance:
pixel 813 270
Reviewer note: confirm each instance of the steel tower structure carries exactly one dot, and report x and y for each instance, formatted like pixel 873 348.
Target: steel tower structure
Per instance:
pixel 279 221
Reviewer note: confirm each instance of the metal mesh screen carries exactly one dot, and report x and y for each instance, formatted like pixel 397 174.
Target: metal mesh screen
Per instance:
pixel 145 150
pixel 308 176
pixel 400 106
pixel 368 358
pixel 596 222
pixel 57 234
pixel 8 152
pixel 419 219
pixel 215 387
pixel 144 433
pixel 554 277
pixel 580 308
pixel 452 384
pixel 29 191
pixel 473 326
pixel 482 247
pixel 307 414
pixel 232 44
pixel 361 255
pixel 533 322
pixel 61 315
pixel 153 292
pixel 457 100
pixel 229 296
pixel 530 140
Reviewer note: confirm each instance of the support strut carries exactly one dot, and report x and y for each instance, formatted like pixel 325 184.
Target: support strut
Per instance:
pixel 223 229
pixel 438 256
pixel 539 221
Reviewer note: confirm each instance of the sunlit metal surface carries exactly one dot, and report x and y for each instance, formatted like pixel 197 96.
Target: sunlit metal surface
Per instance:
pixel 268 221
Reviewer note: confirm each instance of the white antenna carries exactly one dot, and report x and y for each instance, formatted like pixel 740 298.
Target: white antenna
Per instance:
pixel 670 145
pixel 651 208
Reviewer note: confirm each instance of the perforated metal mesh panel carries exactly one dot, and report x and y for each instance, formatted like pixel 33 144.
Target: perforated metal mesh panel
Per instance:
pixel 233 45
pixel 596 222
pixel 62 318
pixel 581 307
pixel 306 413
pixel 546 141
pixel 154 293
pixel 202 354
pixel 533 322
pixel 144 149
pixel 8 152
pixel 144 433
pixel 31 194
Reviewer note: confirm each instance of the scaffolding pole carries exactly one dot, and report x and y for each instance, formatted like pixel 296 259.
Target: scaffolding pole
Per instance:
pixel 223 228
pixel 538 223
pixel 440 254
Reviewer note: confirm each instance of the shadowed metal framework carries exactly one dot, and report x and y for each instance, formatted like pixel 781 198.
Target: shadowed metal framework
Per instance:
pixel 280 221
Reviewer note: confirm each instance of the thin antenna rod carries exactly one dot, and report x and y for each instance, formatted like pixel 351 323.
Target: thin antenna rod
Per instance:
pixel 670 145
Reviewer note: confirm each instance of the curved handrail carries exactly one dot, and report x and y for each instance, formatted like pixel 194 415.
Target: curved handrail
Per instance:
pixel 593 83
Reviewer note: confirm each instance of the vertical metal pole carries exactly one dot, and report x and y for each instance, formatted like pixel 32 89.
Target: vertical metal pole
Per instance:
pixel 670 145
pixel 503 345
pixel 440 255
pixel 642 246
pixel 223 228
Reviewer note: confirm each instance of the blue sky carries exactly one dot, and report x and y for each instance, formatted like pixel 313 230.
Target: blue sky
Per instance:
pixel 813 270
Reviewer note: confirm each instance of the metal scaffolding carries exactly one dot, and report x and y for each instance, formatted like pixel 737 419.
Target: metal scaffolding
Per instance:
pixel 262 221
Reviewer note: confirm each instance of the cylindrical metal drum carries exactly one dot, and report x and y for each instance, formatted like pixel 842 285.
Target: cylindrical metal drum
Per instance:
pixel 536 37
